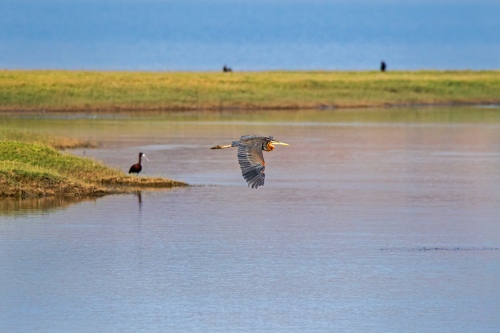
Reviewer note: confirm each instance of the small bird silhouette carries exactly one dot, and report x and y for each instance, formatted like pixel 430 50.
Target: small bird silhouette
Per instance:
pixel 383 66
pixel 136 168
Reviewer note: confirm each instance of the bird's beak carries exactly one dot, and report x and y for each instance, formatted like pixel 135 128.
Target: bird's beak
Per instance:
pixel 145 157
pixel 279 143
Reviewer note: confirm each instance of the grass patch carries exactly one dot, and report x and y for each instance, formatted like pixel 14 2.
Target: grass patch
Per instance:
pixel 109 91
pixel 22 135
pixel 38 170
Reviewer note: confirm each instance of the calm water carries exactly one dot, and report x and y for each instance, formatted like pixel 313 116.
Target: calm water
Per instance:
pixel 249 35
pixel 383 221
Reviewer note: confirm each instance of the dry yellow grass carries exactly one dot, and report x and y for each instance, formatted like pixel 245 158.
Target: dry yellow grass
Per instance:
pixel 37 170
pixel 78 90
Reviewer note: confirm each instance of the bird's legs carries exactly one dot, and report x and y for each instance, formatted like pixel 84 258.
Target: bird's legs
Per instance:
pixel 233 144
pixel 221 147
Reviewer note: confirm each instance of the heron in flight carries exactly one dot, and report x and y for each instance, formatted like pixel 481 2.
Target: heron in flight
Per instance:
pixel 250 156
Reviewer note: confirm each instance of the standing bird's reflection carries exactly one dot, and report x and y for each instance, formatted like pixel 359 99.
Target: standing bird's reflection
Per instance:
pixel 250 156
pixel 139 200
pixel 136 168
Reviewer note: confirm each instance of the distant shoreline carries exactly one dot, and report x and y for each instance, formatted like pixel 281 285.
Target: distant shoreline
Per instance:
pixel 235 109
pixel 103 91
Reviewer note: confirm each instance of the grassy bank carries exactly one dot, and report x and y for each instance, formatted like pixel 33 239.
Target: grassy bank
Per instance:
pixel 108 91
pixel 23 135
pixel 38 170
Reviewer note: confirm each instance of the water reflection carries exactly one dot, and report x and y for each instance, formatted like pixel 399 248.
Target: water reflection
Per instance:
pixel 139 200
pixel 10 206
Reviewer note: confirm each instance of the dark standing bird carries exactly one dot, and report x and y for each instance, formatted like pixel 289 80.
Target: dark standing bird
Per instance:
pixel 250 156
pixel 136 168
pixel 383 66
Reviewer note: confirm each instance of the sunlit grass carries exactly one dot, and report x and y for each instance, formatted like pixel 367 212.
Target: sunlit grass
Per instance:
pixel 24 135
pixel 33 169
pixel 74 90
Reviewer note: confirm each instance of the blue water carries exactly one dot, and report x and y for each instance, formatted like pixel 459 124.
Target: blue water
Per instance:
pixel 249 35
pixel 383 221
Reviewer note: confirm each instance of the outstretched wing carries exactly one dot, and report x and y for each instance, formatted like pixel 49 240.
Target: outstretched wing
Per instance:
pixel 251 160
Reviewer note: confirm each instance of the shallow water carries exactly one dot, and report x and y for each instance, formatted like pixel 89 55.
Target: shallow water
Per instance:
pixel 370 221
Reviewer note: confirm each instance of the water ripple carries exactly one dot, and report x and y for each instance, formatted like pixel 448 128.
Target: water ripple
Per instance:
pixel 438 248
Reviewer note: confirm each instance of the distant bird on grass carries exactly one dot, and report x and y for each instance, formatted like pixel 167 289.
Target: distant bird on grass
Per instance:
pixel 383 66
pixel 250 156
pixel 136 168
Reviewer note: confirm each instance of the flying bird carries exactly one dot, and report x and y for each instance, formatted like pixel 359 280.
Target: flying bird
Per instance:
pixel 136 168
pixel 250 156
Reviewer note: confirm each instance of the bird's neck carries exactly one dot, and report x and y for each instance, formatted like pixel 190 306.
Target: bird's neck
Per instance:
pixel 268 147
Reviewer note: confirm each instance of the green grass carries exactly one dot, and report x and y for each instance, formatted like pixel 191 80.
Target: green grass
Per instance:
pixel 108 91
pixel 37 170
pixel 23 135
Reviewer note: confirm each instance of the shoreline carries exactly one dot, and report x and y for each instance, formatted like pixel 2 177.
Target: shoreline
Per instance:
pixel 261 108
pixel 37 170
